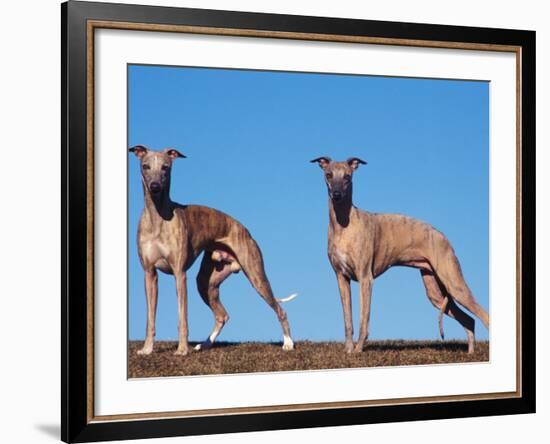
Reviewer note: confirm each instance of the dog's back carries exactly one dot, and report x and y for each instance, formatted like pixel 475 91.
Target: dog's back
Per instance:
pixel 207 226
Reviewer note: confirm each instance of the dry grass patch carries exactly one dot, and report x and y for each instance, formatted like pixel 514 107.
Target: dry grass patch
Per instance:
pixel 249 357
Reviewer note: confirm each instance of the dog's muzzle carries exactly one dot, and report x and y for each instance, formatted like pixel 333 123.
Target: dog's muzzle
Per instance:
pixel 155 187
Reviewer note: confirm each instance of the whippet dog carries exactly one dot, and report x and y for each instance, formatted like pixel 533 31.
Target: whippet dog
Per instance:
pixel 171 237
pixel 362 246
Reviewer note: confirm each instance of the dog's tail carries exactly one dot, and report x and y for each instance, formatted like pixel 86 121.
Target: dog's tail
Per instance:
pixel 442 310
pixel 288 298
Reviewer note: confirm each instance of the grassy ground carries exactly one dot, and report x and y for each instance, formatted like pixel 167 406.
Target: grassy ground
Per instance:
pixel 226 357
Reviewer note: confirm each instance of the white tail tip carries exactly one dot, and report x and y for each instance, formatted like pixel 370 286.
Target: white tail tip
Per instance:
pixel 288 298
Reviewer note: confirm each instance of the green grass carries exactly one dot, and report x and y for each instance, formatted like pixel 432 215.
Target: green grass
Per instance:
pixel 248 357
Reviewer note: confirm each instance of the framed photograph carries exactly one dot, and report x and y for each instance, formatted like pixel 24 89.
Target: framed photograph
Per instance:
pixel 275 221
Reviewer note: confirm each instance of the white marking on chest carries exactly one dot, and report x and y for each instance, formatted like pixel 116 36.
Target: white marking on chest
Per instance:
pixel 341 257
pixel 155 249
pixel 341 262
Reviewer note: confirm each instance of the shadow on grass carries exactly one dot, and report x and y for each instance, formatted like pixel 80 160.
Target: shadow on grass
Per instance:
pixel 223 344
pixel 401 346
pixel 380 345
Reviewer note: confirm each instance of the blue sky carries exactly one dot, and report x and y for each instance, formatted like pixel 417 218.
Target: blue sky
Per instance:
pixel 249 136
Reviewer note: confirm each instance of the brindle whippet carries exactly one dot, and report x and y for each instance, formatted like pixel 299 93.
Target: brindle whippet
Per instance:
pixel 171 237
pixel 362 246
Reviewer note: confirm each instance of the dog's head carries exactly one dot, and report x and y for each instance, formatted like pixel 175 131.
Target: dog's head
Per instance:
pixel 338 176
pixel 156 167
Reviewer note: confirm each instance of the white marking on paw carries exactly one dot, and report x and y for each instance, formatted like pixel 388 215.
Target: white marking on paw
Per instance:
pixel 204 345
pixel 288 344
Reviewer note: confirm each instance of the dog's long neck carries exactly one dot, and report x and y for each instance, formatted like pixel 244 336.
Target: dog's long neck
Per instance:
pixel 158 206
pixel 340 212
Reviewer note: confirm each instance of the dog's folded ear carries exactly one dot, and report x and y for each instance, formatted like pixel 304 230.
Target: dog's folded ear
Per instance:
pixel 139 150
pixel 322 161
pixel 174 153
pixel 354 162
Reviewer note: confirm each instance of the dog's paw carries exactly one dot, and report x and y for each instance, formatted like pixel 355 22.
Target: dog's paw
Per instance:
pixel 288 344
pixel 348 348
pixel 204 345
pixel 181 352
pixel 145 351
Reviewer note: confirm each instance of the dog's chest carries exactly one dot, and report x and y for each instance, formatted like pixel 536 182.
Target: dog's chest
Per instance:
pixel 153 249
pixel 157 247
pixel 156 252
pixel 342 262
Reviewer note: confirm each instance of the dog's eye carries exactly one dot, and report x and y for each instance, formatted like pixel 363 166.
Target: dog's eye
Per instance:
pixel 328 175
pixel 347 177
pixel 146 167
pixel 164 167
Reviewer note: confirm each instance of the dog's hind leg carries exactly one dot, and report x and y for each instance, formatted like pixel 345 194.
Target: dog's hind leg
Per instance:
pixel 250 259
pixel 443 302
pixel 210 277
pixel 435 295
pixel 450 275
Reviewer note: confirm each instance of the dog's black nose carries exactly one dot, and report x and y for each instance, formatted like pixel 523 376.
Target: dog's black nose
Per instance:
pixel 154 187
pixel 337 195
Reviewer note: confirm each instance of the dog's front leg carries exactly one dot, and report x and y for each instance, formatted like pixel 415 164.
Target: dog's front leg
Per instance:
pixel 365 292
pixel 181 288
pixel 345 295
pixel 151 293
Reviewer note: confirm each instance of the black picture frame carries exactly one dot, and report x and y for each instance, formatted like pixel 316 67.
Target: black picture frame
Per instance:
pixel 77 425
